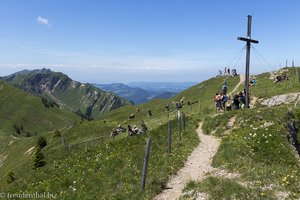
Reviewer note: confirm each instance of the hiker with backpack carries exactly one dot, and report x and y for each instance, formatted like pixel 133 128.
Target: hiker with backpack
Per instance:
pixel 236 102
pixel 218 102
pixel 224 87
pixel 224 100
pixel 242 100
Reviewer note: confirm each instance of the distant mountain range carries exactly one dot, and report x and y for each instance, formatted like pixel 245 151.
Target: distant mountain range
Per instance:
pixel 173 87
pixel 85 99
pixel 137 94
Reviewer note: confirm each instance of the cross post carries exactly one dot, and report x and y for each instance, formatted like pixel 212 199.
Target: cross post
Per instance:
pixel 249 41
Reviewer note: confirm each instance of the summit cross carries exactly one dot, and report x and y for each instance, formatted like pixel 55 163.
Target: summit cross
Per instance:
pixel 249 41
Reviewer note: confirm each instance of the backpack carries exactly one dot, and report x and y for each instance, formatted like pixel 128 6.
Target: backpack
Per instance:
pixel 225 98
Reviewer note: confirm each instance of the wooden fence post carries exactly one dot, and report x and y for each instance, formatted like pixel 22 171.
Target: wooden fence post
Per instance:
pixel 62 141
pixel 145 164
pixel 298 75
pixel 265 91
pixel 199 105
pixel 179 123
pixel 169 137
pixel 183 121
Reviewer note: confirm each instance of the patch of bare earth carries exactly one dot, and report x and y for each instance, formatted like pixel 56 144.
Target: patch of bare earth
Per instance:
pixel 2 159
pixel 29 151
pixel 231 122
pixel 282 195
pixel 253 101
pixel 242 79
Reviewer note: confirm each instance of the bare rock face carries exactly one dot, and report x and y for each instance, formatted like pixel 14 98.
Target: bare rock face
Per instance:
pixel 281 99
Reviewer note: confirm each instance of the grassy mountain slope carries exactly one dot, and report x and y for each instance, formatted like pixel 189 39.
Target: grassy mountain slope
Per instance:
pixel 24 110
pixel 266 87
pixel 107 171
pixel 112 169
pixel 69 94
pixel 165 95
pixel 129 148
pixel 258 149
pixel 19 107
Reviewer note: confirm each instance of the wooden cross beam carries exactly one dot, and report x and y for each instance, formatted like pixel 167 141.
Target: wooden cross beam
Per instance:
pixel 249 41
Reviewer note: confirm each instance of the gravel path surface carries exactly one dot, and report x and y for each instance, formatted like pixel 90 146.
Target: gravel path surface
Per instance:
pixel 197 165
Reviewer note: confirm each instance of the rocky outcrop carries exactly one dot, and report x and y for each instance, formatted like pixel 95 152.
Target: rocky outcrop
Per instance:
pixel 281 99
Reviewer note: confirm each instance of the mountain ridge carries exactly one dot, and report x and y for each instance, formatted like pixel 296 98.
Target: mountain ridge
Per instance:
pixel 69 94
pixel 137 95
pixel 101 163
pixel 175 87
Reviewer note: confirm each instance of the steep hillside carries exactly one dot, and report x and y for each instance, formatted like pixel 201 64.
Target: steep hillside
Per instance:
pixel 21 108
pixel 69 94
pixel 111 168
pixel 23 118
pixel 123 149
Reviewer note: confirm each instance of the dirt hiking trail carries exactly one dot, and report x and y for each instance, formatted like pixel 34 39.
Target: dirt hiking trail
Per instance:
pixel 242 80
pixel 197 165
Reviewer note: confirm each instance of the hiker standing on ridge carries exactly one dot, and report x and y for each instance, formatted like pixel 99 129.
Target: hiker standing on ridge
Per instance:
pixel 224 100
pixel 218 101
pixel 224 87
pixel 220 73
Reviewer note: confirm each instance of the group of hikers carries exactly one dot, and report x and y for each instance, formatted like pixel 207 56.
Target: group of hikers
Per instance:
pixel 221 97
pixel 227 72
pixel 238 101
pixel 136 131
pixel 221 100
pixel 131 130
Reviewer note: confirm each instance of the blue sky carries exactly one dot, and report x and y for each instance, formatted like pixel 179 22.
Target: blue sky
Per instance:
pixel 145 40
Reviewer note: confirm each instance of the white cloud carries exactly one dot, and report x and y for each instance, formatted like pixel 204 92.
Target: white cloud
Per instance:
pixel 42 21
